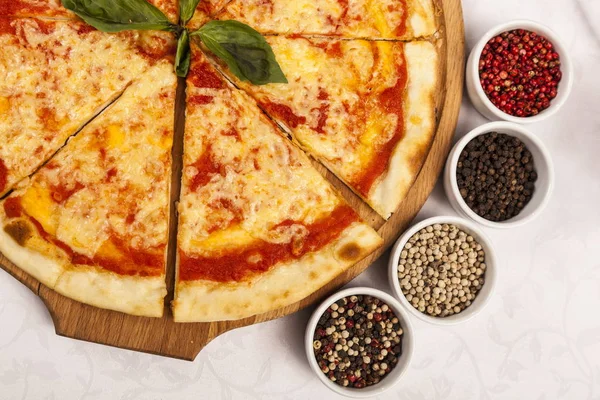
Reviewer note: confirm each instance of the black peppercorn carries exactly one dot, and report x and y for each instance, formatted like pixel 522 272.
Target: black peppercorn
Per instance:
pixel 496 176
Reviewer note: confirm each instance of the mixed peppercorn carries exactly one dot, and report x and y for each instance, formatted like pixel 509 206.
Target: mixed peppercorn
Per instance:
pixel 358 341
pixel 441 270
pixel 519 71
pixel 496 176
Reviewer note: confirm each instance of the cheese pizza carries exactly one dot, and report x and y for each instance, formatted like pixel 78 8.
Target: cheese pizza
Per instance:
pixel 363 108
pixel 57 75
pixel 382 19
pixel 259 227
pixel 92 223
pixel 86 135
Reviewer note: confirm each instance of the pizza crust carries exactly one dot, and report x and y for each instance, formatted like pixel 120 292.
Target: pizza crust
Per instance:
pixel 128 294
pixel 283 285
pixel 419 117
pixel 134 295
pixel 422 18
pixel 41 268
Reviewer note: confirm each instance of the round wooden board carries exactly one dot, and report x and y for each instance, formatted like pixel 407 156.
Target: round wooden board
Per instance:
pixel 164 337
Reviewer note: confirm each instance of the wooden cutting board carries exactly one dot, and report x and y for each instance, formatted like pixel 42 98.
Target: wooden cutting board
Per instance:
pixel 164 337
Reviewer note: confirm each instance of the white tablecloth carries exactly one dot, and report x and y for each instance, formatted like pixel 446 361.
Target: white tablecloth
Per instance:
pixel 539 338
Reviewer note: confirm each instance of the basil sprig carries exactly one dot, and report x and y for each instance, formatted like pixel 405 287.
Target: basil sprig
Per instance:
pixel 120 15
pixel 183 55
pixel 186 10
pixel 244 50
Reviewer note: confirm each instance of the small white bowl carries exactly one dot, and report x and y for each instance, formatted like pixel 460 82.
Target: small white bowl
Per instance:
pixel 543 166
pixel 490 276
pixel 403 362
pixel 478 96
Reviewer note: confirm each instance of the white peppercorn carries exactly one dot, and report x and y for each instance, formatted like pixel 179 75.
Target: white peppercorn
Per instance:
pixel 441 270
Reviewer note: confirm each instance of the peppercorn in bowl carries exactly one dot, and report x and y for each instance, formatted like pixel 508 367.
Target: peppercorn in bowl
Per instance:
pixel 519 72
pixel 500 175
pixel 359 342
pixel 443 270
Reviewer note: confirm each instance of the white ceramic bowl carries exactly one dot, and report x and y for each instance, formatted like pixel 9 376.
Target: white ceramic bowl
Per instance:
pixel 403 362
pixel 490 276
pixel 543 166
pixel 478 96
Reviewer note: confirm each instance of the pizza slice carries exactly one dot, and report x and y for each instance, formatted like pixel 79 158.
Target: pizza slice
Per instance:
pixel 383 19
pixel 92 223
pixel 259 227
pixel 365 109
pixel 57 75
pixel 54 9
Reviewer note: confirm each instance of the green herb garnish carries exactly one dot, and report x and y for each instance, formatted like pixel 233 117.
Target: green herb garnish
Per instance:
pixel 244 50
pixel 120 15
pixel 183 55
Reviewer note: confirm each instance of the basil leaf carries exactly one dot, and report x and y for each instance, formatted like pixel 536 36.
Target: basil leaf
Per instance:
pixel 183 55
pixel 120 15
pixel 186 10
pixel 244 50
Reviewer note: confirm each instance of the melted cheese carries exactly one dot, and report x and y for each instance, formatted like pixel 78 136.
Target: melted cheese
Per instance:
pixel 55 77
pixel 358 19
pixel 260 179
pixel 116 182
pixel 116 137
pixel 4 105
pixel 38 203
pixel 223 240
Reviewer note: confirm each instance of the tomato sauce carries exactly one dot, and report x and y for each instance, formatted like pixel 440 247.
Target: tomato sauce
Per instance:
pixel 335 50
pixel 234 266
pixel 60 193
pixel 323 112
pixel 322 120
pixel 344 6
pixel 401 29
pixel 6 25
pixel 206 167
pixel 199 99
pixel 391 100
pixel 110 174
pixel 284 113
pixel 203 75
pixel 83 29
pixel 3 176
pixel 12 207
pixel 232 133
pixel 11 8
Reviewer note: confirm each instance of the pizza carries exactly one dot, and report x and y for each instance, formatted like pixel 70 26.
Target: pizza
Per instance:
pixel 382 19
pixel 255 217
pixel 371 122
pixel 92 223
pixel 55 76
pixel 94 194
